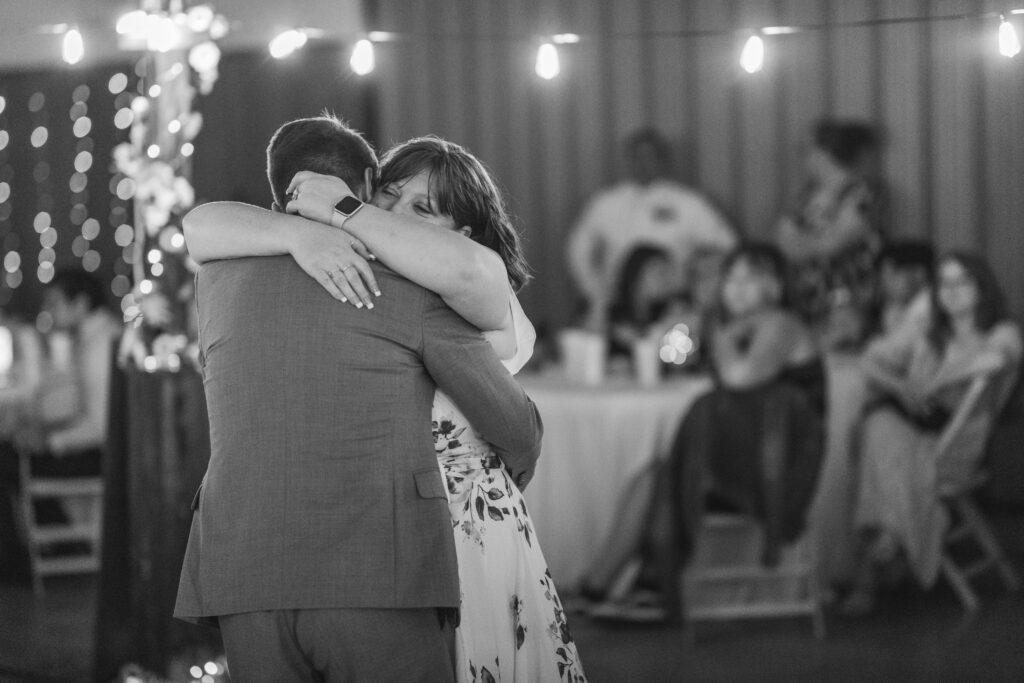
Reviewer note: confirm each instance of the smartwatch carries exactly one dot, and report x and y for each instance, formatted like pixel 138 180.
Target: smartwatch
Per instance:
pixel 347 207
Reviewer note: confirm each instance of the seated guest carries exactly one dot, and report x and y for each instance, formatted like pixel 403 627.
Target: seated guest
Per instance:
pixel 921 375
pixel 904 285
pixel 768 379
pixel 646 208
pixel 770 389
pixel 75 393
pixel 646 299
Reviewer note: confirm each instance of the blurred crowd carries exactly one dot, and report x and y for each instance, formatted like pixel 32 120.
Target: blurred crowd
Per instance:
pixel 648 254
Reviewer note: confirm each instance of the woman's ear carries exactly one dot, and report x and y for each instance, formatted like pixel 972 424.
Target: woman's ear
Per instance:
pixel 465 231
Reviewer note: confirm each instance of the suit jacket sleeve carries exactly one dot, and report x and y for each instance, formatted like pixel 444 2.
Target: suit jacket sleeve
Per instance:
pixel 465 367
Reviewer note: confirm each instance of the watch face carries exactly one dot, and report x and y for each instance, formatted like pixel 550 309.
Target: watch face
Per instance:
pixel 348 205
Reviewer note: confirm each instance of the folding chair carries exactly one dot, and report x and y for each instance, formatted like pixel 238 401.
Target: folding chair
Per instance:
pixel 59 548
pixel 727 580
pixel 959 452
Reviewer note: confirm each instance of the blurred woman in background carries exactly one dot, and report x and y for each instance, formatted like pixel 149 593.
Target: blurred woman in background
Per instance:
pixel 832 234
pixel 768 375
pixel 920 377
pixel 646 299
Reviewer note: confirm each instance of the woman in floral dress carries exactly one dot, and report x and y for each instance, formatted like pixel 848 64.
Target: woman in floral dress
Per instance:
pixel 512 624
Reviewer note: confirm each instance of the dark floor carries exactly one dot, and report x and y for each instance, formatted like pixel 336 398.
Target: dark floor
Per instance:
pixel 913 637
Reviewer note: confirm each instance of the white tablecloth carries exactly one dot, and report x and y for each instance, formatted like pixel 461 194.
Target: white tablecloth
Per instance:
pixel 595 440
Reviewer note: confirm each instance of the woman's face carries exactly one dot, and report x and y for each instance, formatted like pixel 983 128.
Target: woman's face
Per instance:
pixel 412 197
pixel 653 281
pixel 958 292
pixel 745 289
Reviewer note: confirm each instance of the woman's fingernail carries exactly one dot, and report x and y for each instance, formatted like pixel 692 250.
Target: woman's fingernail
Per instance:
pixel 369 305
pixel 359 304
pixel 344 300
pixel 377 292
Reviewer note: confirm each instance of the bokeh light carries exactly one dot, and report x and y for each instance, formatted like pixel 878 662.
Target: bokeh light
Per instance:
pixel 39 136
pixel 118 82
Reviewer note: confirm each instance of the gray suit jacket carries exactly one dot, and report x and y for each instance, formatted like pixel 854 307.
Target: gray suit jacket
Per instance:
pixel 323 488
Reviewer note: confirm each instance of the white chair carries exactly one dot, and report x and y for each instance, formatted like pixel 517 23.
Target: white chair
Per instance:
pixel 79 540
pixel 959 452
pixel 726 579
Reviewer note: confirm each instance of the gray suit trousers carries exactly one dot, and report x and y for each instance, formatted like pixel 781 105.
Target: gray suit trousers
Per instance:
pixel 338 645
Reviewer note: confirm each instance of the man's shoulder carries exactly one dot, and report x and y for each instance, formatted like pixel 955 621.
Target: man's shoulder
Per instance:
pixel 245 265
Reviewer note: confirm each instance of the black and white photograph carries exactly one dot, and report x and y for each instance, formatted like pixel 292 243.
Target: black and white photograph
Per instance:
pixel 523 341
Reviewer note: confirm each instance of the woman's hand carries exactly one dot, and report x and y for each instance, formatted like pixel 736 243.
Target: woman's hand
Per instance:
pixel 331 257
pixel 313 195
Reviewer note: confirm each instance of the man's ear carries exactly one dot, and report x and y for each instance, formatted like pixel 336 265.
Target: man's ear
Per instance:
pixel 367 184
pixel 465 231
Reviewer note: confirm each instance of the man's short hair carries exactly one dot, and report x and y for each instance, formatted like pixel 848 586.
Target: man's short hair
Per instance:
pixel 322 144
pixel 73 283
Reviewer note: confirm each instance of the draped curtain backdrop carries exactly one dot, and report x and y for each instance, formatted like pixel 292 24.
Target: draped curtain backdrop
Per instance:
pixel 951 107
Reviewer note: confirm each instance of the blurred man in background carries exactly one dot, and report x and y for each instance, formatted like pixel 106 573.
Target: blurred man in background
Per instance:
pixel 646 208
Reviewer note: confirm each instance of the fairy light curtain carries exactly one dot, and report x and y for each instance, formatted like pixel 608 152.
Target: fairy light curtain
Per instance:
pixel 62 202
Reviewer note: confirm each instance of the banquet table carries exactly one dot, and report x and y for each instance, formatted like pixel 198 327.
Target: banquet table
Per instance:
pixel 595 440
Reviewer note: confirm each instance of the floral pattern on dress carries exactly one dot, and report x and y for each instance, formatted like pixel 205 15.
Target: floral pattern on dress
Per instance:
pixel 513 627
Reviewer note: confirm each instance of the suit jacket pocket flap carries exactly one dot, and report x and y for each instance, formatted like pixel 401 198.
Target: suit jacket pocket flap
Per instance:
pixel 430 484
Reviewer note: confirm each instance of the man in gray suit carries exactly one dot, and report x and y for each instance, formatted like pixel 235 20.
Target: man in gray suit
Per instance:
pixel 321 540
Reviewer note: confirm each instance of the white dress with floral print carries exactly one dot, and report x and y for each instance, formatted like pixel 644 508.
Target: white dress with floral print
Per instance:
pixel 512 627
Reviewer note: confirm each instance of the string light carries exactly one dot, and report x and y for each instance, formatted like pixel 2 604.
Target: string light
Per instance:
pixel 132 24
pixel 1009 44
pixel 73 48
pixel 284 44
pixel 362 60
pixel 547 62
pixel 752 56
pixel 162 31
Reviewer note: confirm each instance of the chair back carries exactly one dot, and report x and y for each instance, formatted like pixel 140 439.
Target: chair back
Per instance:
pixel 963 442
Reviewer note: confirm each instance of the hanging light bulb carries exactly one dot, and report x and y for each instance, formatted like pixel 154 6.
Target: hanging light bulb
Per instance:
pixel 547 62
pixel 362 61
pixel 163 34
pixel 132 24
pixel 1009 44
pixel 73 49
pixel 752 56
pixel 286 43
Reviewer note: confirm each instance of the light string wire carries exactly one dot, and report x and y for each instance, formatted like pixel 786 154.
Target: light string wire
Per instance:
pixel 771 30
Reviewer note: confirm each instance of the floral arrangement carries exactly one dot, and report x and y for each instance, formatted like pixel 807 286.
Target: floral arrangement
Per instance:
pixel 179 63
